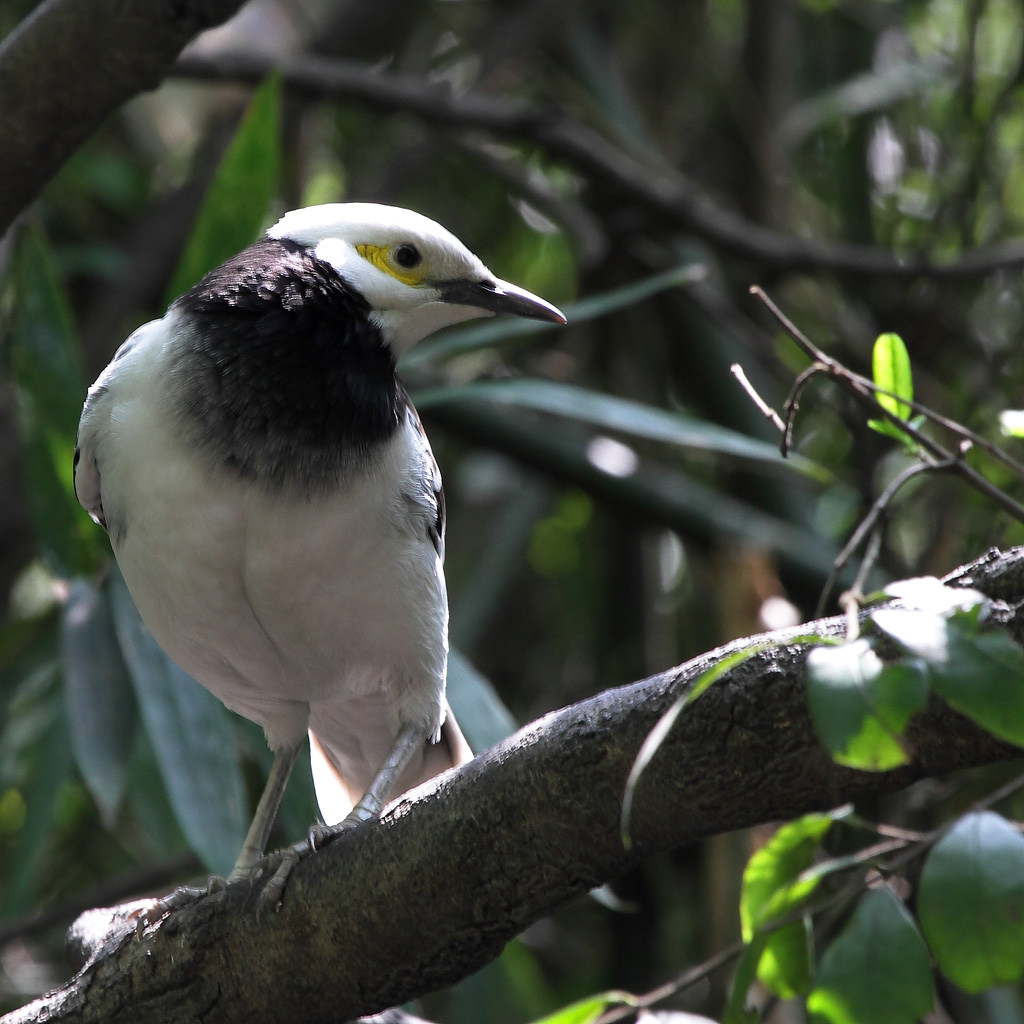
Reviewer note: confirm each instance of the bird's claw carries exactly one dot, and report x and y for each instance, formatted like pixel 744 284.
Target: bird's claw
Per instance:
pixel 158 909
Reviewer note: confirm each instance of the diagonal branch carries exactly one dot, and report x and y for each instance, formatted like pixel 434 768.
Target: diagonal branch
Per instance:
pixel 72 63
pixel 665 192
pixel 434 891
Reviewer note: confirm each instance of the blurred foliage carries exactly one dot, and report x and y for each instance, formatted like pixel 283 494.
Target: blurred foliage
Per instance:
pixel 614 509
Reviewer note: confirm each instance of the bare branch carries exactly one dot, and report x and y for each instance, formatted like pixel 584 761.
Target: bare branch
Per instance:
pixel 665 192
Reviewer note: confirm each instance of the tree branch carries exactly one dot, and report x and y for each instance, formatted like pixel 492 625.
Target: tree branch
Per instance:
pixel 665 192
pixel 72 63
pixel 435 889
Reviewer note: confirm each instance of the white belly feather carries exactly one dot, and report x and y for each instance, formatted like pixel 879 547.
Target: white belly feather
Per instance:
pixel 295 612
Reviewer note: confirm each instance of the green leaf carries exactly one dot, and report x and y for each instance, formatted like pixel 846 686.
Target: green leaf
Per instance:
pixel 971 902
pixel 585 1011
pixel 237 198
pixel 98 696
pixel 480 712
pixel 861 706
pixel 768 888
pixel 657 736
pixel 890 365
pixel 192 736
pixel 492 332
pixel 980 675
pixel 785 964
pixel 609 412
pixel 876 971
pixel 774 884
pixel 49 390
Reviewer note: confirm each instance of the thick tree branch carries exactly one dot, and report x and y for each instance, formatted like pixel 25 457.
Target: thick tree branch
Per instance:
pixel 70 65
pixel 665 192
pixel 435 890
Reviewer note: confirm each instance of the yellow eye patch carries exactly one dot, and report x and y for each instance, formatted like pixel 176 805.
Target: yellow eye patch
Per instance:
pixel 383 257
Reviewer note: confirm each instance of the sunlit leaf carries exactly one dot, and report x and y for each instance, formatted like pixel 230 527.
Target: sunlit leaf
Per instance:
pixel 981 675
pixel 193 737
pixel 860 706
pixel 609 412
pixel 98 694
pixel 876 971
pixel 237 198
pixel 928 594
pixel 773 886
pixel 587 1010
pixel 971 902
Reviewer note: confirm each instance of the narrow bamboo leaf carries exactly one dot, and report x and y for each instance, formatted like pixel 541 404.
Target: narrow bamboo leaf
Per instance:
pixel 192 736
pixel 237 198
pixel 492 332
pixel 609 412
pixel 657 736
pixel 98 695
pixel 971 902
pixel 980 675
pixel 49 390
pixel 480 712
pixel 876 971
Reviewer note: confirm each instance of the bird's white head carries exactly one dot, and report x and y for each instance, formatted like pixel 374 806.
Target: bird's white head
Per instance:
pixel 416 276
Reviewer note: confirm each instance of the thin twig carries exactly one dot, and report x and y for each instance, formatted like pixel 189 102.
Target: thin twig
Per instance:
pixel 766 410
pixel 864 390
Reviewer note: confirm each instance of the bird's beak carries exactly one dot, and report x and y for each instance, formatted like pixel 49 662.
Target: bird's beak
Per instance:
pixel 500 297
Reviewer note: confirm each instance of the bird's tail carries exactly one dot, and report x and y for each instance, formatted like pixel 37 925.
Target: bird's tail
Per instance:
pixel 337 791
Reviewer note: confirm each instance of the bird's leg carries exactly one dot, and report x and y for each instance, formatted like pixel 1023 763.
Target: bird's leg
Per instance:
pixel 408 741
pixel 252 848
pixel 266 811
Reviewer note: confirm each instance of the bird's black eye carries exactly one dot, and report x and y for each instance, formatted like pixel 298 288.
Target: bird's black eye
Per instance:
pixel 407 256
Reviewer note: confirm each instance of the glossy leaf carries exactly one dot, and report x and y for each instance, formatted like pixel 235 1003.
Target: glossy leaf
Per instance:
pixel 890 366
pixel 981 675
pixel 49 391
pixel 480 712
pixel 774 884
pixel 192 736
pixel 860 706
pixel 928 594
pixel 971 902
pixel 98 695
pixel 876 971
pixel 609 412
pixel 237 198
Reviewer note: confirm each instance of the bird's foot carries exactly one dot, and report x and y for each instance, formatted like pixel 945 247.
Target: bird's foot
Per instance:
pixel 183 896
pixel 281 863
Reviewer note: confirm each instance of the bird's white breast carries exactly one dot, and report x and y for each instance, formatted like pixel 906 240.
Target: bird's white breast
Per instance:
pixel 278 603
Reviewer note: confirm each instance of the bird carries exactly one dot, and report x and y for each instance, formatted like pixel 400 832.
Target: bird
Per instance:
pixel 275 508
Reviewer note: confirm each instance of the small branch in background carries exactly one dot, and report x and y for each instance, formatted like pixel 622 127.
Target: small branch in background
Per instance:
pixel 765 409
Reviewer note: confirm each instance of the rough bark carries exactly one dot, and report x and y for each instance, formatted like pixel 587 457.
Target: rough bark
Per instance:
pixel 70 65
pixel 432 892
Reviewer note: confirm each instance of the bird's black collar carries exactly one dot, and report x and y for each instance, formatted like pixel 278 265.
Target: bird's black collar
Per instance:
pixel 279 373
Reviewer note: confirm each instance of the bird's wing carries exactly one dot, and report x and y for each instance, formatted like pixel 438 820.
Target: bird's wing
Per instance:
pixel 431 494
pixel 95 422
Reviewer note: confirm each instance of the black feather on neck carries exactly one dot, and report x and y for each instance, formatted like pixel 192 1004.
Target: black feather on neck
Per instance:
pixel 281 376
